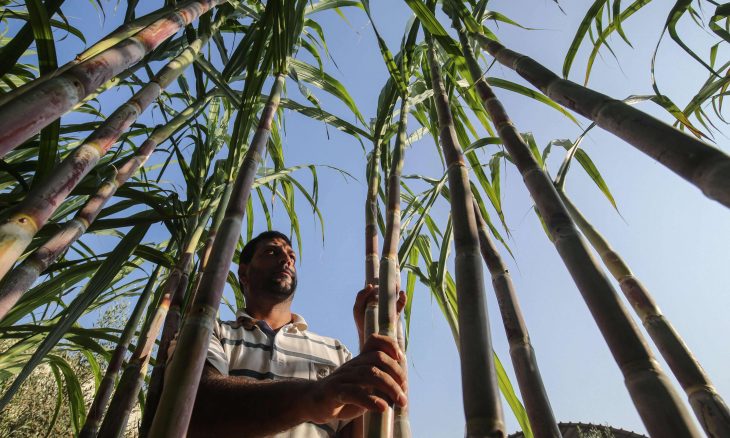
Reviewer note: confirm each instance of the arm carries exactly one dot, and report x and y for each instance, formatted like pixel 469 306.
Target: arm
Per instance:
pixel 227 405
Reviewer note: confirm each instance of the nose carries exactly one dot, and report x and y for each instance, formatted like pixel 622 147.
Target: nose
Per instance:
pixel 286 259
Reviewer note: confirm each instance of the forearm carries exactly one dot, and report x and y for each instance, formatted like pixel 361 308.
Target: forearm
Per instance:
pixel 234 406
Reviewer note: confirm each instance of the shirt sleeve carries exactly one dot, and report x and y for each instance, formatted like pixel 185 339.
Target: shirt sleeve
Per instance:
pixel 217 355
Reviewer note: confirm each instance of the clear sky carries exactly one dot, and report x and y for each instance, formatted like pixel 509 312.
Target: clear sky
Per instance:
pixel 675 240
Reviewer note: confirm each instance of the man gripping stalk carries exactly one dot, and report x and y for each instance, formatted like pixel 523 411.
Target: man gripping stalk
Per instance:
pixel 266 374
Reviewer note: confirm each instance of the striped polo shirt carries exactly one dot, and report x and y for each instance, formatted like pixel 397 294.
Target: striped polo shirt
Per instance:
pixel 250 348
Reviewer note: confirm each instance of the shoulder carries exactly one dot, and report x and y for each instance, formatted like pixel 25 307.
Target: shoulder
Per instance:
pixel 228 329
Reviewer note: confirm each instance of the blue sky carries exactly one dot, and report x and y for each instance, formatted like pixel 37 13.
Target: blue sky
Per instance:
pixel 675 239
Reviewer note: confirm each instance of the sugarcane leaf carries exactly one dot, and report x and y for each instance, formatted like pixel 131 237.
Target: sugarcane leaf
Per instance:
pixel 410 289
pixel 580 33
pixel 324 81
pixel 530 140
pixel 680 8
pixel 520 89
pixel 11 51
pixel 464 14
pixel 390 63
pixel 47 63
pixel 434 27
pixel 101 279
pixel 505 386
pixel 444 254
pixel 95 367
pixel 59 402
pixel 324 5
pixel 485 215
pixel 155 256
pixel 721 12
pixel 233 282
pixel 73 390
pixel 590 168
pixel 49 290
pixel 423 210
pixel 324 116
pixel 613 26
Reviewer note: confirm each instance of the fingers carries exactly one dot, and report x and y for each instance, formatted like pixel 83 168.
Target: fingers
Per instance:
pixel 377 375
pixel 371 381
pixel 351 394
pixel 386 364
pixel 364 296
pixel 378 342
pixel 389 378
pixel 402 300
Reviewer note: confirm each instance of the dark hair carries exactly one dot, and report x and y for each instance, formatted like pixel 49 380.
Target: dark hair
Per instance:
pixel 250 248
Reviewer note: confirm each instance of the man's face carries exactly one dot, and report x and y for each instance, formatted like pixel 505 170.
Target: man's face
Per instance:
pixel 271 271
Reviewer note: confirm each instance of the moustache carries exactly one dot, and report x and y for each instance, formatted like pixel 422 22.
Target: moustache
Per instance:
pixel 289 272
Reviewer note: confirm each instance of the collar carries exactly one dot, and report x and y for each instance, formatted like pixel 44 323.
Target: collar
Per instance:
pixel 249 322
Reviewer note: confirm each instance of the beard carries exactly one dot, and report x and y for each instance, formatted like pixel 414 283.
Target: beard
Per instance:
pixel 282 289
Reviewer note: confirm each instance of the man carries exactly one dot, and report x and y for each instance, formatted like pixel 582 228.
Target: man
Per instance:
pixel 267 375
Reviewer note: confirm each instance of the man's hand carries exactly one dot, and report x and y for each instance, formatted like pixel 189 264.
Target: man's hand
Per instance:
pixel 370 381
pixel 370 295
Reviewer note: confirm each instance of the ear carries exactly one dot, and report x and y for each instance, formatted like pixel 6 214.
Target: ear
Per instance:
pixel 243 275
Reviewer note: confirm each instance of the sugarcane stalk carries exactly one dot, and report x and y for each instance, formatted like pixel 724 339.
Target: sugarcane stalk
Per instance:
pixel 176 404
pixel 709 407
pixel 40 203
pixel 172 322
pixel 380 425
pixel 706 167
pixel 119 34
pixel 167 312
pixel 28 113
pixel 113 82
pixel 482 406
pixel 521 351
pixel 208 245
pixel 21 278
pixel 401 423
pixel 657 403
pixel 372 263
pixel 104 392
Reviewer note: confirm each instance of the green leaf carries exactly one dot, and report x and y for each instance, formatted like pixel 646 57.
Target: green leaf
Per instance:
pixel 512 400
pixel 680 8
pixel 721 13
pixel 433 26
pixel 590 168
pixel 72 389
pixel 103 277
pixel 580 33
pixel 47 63
pixel 11 52
pixel 519 89
pixel 325 82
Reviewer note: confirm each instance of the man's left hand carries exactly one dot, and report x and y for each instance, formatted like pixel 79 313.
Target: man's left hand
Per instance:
pixel 370 295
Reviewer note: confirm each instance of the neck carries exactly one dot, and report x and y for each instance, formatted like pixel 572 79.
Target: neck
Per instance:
pixel 276 315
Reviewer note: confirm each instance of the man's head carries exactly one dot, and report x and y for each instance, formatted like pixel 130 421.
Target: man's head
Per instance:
pixel 267 268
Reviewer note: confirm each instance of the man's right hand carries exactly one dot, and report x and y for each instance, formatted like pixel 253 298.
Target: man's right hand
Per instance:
pixel 370 381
